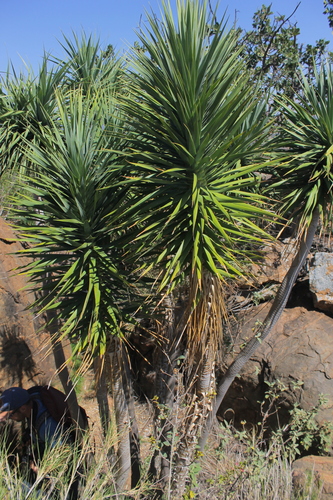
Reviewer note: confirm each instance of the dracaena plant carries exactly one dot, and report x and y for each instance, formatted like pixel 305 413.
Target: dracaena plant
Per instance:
pixel 27 108
pixel 89 66
pixel 305 186
pixel 307 136
pixel 66 216
pixel 69 215
pixel 194 146
pixel 198 132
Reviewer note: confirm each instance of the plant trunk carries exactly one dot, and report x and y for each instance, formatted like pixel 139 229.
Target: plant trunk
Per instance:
pixel 196 414
pixel 203 343
pixel 264 329
pixel 102 394
pixel 123 463
pixel 133 426
pixel 168 351
pixel 63 373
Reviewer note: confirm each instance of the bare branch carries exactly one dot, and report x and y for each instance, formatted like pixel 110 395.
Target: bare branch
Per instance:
pixel 275 32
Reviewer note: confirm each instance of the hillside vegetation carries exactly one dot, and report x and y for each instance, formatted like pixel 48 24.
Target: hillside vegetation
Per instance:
pixel 144 187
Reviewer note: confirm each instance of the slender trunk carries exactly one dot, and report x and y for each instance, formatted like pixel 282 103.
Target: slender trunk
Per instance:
pixel 203 326
pixel 121 415
pixel 53 327
pixel 168 352
pixel 167 424
pixel 264 329
pixel 133 426
pixel 63 373
pixel 196 415
pixel 102 394
pixel 164 421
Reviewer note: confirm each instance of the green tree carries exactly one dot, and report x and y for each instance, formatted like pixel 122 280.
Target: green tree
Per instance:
pixel 274 54
pixel 88 66
pixel 67 214
pixel 27 110
pixel 305 183
pixel 328 10
pixel 198 132
pixel 27 107
pixel 70 190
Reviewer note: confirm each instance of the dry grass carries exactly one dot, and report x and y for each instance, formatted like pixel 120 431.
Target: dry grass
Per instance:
pixel 237 465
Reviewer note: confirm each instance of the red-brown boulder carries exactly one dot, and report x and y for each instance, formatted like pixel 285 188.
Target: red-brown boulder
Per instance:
pixel 23 345
pixel 299 348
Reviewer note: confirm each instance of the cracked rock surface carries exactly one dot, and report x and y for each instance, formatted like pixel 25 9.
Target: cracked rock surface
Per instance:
pixel 22 359
pixel 299 348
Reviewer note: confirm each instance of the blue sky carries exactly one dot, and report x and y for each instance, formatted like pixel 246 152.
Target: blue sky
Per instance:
pixel 30 26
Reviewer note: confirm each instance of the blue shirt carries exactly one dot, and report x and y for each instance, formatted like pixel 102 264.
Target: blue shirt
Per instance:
pixel 47 428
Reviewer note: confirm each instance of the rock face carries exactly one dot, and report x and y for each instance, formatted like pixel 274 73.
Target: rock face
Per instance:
pixel 318 471
pixel 321 281
pixel 278 257
pixel 299 348
pixel 22 351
